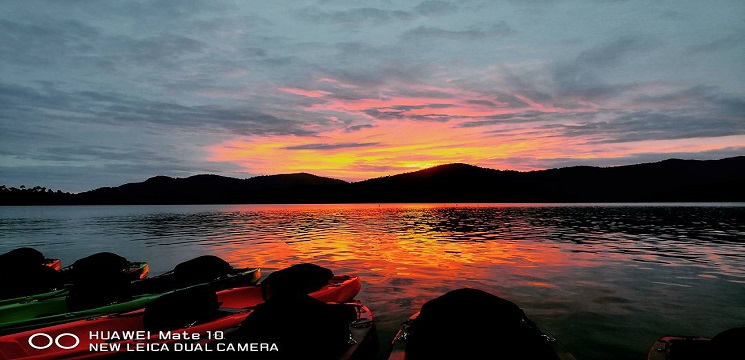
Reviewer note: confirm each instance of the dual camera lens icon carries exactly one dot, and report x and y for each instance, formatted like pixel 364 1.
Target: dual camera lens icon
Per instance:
pixel 43 341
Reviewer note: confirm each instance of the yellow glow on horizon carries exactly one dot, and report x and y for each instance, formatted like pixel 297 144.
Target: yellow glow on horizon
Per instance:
pixel 404 134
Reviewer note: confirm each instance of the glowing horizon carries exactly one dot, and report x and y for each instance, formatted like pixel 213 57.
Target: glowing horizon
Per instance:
pixel 408 133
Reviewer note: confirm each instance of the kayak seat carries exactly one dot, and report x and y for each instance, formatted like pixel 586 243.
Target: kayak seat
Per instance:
pixel 20 256
pixel 295 280
pixel 199 270
pixel 202 269
pixel 29 279
pixel 473 324
pixel 97 280
pixel 181 308
pixel 100 262
pixel 302 327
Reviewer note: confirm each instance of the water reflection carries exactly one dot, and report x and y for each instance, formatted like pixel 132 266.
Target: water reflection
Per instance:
pixel 605 279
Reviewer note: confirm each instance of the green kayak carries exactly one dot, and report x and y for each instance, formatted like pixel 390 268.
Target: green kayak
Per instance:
pixel 110 297
pixel 36 314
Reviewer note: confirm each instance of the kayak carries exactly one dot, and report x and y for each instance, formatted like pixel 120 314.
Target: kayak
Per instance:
pixel 38 282
pixel 470 323
pixel 63 306
pixel 727 344
pixel 165 321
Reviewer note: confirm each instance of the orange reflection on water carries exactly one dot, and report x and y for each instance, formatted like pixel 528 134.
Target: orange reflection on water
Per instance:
pixel 420 249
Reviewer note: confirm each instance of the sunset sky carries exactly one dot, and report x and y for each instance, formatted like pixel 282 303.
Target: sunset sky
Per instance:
pixel 100 93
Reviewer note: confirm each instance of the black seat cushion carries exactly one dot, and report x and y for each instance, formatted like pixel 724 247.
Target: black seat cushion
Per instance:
pixel 301 327
pixel 181 308
pixel 473 324
pixel 297 279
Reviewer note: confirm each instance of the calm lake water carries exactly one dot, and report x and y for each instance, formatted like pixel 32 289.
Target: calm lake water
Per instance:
pixel 607 280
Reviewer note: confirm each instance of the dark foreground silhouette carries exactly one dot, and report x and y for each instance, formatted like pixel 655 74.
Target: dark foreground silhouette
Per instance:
pixel 473 324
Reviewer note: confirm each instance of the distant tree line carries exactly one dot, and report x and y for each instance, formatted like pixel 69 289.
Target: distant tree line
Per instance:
pixel 37 195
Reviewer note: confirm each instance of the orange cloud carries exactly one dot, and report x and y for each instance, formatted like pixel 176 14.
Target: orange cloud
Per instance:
pixel 407 128
pixel 306 93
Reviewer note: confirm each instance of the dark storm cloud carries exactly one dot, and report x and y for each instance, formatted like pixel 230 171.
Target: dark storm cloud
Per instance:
pixel 435 7
pixel 643 125
pixel 583 77
pixel 359 127
pixel 702 98
pixel 120 109
pixel 160 48
pixel 330 146
pixel 482 102
pixel 100 152
pixel 520 117
pixel 32 43
pixel 389 114
pixel 726 43
pixel 475 32
pixel 613 52
pixel 418 107
pixel 354 17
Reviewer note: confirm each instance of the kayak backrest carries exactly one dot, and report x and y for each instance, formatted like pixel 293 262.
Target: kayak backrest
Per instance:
pixel 470 323
pixel 21 256
pixel 97 280
pixel 302 327
pixel 29 279
pixel 203 268
pixel 730 344
pixel 296 279
pixel 181 308
pixel 100 262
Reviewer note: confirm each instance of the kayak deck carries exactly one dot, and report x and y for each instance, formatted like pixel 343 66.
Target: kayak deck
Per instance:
pixel 680 348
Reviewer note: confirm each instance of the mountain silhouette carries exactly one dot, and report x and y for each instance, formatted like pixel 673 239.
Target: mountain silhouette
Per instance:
pixel 671 180
pixel 211 189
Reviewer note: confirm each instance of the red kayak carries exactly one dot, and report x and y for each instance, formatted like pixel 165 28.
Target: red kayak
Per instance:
pixel 728 344
pixel 55 264
pixel 133 331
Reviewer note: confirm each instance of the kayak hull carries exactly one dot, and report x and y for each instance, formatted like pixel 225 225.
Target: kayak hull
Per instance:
pixel 236 305
pixel 677 347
